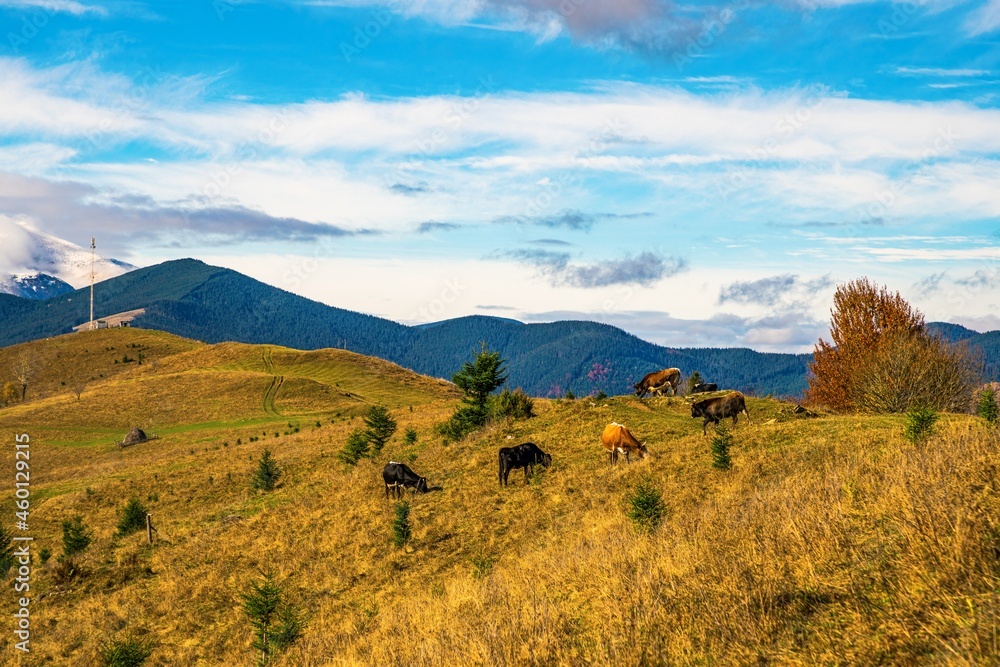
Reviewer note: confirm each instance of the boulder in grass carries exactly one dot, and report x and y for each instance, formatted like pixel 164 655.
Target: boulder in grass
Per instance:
pixel 134 437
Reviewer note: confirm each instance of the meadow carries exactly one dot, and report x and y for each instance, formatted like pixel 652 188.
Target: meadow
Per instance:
pixel 832 540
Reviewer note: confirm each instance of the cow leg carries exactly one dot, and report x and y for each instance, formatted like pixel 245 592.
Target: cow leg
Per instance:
pixel 628 455
pixel 749 421
pixel 736 418
pixel 387 492
pixel 704 427
pixel 527 473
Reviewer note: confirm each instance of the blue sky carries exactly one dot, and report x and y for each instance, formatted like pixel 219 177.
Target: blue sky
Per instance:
pixel 699 174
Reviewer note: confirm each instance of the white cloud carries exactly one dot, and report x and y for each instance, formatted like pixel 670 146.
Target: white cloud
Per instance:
pixel 985 19
pixel 941 71
pixel 67 6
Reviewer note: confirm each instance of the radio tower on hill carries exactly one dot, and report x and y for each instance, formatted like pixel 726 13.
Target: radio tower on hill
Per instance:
pixel 93 256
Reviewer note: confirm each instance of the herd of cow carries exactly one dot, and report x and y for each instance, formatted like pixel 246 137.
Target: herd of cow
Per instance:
pixel 615 438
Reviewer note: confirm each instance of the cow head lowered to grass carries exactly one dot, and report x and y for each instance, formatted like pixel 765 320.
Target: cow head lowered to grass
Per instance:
pixel 617 439
pixel 523 456
pixel 398 476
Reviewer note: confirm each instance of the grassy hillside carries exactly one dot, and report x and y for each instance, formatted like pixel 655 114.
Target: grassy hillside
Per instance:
pixel 831 540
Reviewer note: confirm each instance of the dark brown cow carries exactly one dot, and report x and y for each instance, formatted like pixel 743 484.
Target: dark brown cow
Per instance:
pixel 658 381
pixel 719 408
pixel 617 439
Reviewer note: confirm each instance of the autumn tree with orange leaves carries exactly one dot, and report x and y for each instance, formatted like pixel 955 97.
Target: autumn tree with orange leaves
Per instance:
pixel 881 358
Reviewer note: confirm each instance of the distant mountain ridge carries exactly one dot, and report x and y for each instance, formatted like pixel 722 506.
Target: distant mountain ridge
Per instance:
pixel 36 286
pixel 192 299
pixel 57 258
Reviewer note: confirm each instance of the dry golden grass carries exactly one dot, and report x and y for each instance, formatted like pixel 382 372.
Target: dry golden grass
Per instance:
pixel 831 541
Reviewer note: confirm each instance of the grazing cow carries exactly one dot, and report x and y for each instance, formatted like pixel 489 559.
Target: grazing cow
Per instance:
pixel 523 456
pixel 658 381
pixel 398 475
pixel 703 387
pixel 718 408
pixel 617 439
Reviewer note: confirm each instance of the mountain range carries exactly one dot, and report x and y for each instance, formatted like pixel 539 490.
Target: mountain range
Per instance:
pixel 192 299
pixel 45 265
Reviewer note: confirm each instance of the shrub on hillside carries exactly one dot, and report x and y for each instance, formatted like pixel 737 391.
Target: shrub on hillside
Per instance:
pixel 721 443
pixel 410 437
pixel 401 530
pixel 76 537
pixel 267 474
pixel 356 447
pixel 645 506
pixel 127 651
pixel 881 358
pixel 133 518
pixel 6 552
pixel 379 427
pixel 920 423
pixel 512 404
pixel 987 407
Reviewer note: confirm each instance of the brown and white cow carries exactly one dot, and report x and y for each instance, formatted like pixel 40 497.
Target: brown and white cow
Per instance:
pixel 617 439
pixel 658 381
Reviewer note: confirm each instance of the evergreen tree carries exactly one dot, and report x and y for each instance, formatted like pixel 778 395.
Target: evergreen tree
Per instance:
pixel 277 624
pixel 379 428
pixel 721 443
pixel 76 537
pixel 133 518
pixel 266 476
pixel 355 448
pixel 477 379
pixel 987 408
pixel 401 530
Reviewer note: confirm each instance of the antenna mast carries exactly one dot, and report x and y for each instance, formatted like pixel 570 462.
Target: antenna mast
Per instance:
pixel 93 255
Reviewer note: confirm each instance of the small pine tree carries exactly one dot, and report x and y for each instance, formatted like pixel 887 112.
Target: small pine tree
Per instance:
pixel 411 436
pixel 127 651
pixel 477 379
pixel 401 531
pixel 355 448
pixel 277 624
pixel 76 537
pixel 266 476
pixel 920 423
pixel 379 427
pixel 645 506
pixel 133 518
pixel 987 408
pixel 570 396
pixel 693 379
pixel 6 552
pixel 721 443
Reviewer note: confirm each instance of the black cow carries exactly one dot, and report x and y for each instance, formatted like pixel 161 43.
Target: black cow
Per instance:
pixel 703 387
pixel 522 456
pixel 398 475
pixel 719 408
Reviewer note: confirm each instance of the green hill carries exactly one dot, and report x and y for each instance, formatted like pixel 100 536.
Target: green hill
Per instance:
pixel 830 541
